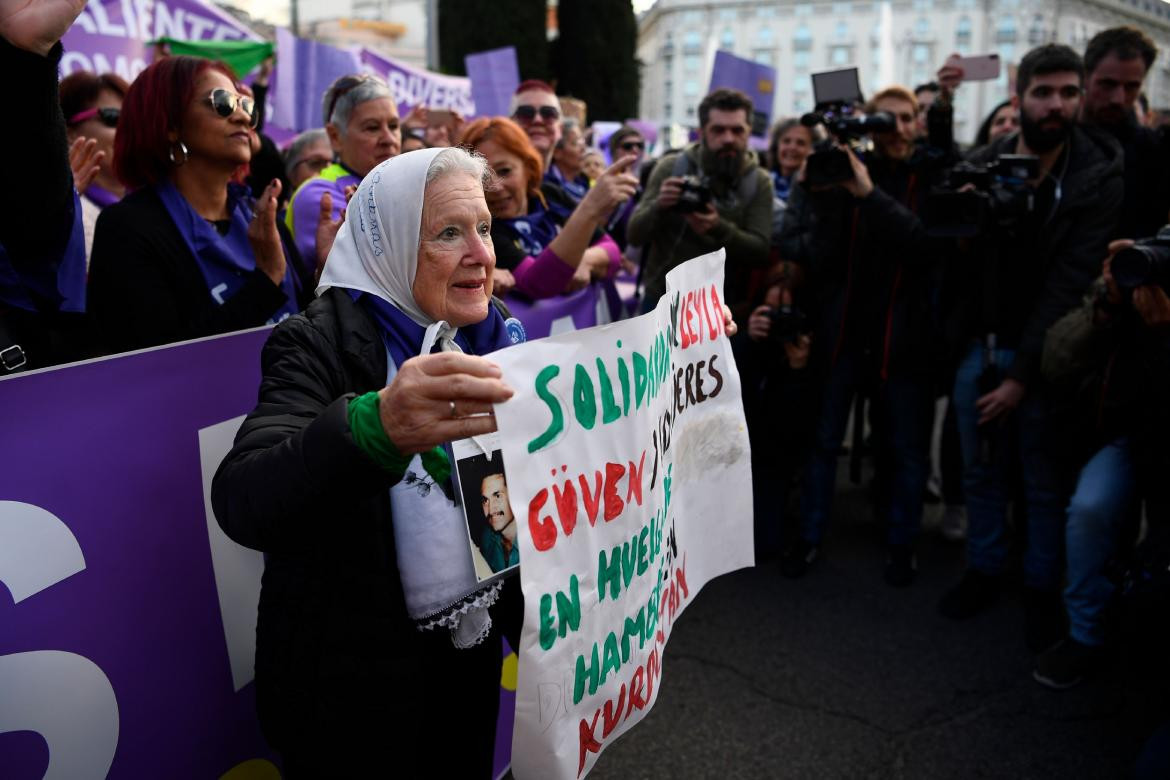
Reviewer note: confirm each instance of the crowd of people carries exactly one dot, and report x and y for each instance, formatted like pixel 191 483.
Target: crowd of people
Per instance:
pixel 865 281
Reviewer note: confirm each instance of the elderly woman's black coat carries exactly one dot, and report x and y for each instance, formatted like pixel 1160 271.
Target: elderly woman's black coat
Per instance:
pixel 344 681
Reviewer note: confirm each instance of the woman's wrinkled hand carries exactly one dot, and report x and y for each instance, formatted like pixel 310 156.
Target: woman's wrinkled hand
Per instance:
pixel 440 398
pixel 265 238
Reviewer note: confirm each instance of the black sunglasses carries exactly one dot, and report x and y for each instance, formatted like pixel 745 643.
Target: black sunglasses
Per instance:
pixel 107 116
pixel 629 146
pixel 225 104
pixel 528 113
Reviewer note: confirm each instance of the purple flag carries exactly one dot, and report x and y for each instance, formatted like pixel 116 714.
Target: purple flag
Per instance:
pixel 304 71
pixel 756 80
pixel 112 36
pixel 494 77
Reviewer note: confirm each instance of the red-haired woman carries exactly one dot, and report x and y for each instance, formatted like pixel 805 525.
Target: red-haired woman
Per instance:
pixel 187 253
pixel 539 251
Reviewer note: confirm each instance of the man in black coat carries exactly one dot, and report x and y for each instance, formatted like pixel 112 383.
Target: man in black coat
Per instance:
pixel 1015 284
pixel 870 269
pixel 1116 63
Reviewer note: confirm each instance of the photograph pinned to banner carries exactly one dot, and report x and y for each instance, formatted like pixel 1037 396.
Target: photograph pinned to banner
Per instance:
pixel 483 488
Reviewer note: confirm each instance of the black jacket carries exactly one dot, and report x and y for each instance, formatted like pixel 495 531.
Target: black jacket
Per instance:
pixel 37 209
pixel 1066 256
pixel 146 289
pixel 341 672
pixel 871 268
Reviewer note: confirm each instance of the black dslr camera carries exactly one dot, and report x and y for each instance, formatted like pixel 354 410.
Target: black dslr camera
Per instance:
pixel 789 323
pixel 977 198
pixel 836 122
pixel 695 195
pixel 1146 262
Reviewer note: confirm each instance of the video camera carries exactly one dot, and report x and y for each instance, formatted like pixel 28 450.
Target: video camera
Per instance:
pixel 976 198
pixel 1146 262
pixel 837 121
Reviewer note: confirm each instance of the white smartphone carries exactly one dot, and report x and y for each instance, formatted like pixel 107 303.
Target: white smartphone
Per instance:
pixel 984 67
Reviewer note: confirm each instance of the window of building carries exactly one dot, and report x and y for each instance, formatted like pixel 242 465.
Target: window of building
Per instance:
pixel 765 11
pixel 804 9
pixel 692 42
pixel 727 39
pixel 727 14
pixel 1006 31
pixel 1036 33
pixel 839 55
pixel 800 61
pixel 921 28
pixel 765 37
pixel 691 87
pixel 692 17
pixel 691 63
pixel 802 41
pixel 963 31
pixel 841 31
pixel 842 9
pixel 764 56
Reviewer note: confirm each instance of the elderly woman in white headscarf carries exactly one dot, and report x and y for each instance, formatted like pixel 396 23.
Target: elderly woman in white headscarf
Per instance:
pixel 376 645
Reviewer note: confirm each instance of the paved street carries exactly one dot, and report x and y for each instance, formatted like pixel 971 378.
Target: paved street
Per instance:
pixel 838 675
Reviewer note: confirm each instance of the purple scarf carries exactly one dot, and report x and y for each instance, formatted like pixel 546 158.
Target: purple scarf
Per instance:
pixel 224 260
pixel 535 230
pixel 100 196
pixel 404 337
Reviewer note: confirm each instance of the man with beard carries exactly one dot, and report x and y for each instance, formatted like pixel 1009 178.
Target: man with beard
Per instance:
pixel 498 543
pixel 1116 63
pixel 870 271
pixel 1015 283
pixel 711 194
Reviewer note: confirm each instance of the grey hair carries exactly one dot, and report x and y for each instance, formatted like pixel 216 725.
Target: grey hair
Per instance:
pixel 567 124
pixel 456 159
pixel 306 139
pixel 369 88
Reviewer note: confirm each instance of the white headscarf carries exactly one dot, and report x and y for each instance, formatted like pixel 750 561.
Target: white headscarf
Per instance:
pixel 376 251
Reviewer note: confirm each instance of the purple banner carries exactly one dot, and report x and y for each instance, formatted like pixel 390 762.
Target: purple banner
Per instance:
pixel 597 304
pixel 114 649
pixel 756 80
pixel 127 617
pixel 413 86
pixel 112 36
pixel 494 77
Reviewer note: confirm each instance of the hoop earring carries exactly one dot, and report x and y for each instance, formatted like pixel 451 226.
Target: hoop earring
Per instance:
pixel 171 154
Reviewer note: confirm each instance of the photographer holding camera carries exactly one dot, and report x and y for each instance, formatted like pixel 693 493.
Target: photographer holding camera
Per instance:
pixel 772 356
pixel 1029 267
pixel 854 225
pixel 1107 365
pixel 711 194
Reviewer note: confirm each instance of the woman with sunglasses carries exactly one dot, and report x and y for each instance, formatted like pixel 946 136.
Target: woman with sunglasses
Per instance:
pixel 540 252
pixel 188 253
pixel 361 119
pixel 91 105
pixel 626 141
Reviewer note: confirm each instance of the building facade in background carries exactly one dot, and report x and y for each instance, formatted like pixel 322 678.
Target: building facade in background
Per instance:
pixel 889 41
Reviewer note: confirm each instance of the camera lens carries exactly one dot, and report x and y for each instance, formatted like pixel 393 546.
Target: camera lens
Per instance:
pixel 1133 267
